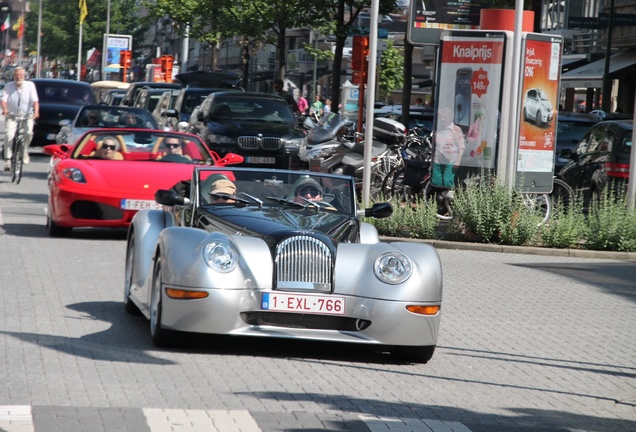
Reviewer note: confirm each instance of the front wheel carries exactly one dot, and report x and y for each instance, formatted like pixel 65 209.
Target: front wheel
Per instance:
pixel 562 194
pixel 129 305
pixel 540 204
pixel 54 229
pixel 160 337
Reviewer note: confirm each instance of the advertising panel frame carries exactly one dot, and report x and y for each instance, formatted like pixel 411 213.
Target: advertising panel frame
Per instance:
pixel 113 45
pixel 537 112
pixel 471 65
pixel 428 18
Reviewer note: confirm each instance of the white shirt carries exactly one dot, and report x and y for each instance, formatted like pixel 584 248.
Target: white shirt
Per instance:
pixel 22 97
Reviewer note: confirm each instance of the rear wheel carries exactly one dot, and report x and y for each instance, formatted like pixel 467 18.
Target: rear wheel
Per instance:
pixel 18 154
pixel 540 204
pixel 562 194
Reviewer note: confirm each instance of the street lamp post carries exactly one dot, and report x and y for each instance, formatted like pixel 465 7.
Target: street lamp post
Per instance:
pixel 105 47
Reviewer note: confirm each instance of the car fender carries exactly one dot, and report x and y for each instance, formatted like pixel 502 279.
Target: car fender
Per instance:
pixel 183 262
pixel 355 274
pixel 368 233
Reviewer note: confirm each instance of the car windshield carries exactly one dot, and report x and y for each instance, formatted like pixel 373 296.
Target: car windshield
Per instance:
pixel 139 145
pixel 280 188
pixel 63 92
pixel 572 131
pixel 328 128
pixel 240 108
pixel 108 116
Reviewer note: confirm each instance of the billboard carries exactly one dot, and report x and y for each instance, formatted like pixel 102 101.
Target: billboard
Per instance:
pixel 468 100
pixel 427 18
pixel 538 109
pixel 113 45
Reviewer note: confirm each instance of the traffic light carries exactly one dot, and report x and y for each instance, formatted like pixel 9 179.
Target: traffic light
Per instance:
pixel 125 58
pixel 360 53
pixel 166 67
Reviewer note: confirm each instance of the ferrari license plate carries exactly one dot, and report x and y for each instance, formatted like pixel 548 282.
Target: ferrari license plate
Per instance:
pixel 301 303
pixel 131 204
pixel 260 160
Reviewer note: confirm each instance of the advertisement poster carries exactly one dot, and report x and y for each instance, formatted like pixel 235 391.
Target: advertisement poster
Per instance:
pixel 428 17
pixel 539 98
pixel 113 44
pixel 468 100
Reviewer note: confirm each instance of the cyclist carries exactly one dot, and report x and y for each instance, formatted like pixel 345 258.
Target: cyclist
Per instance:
pixel 19 98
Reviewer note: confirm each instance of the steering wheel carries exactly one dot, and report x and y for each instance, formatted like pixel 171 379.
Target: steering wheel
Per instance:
pixel 175 158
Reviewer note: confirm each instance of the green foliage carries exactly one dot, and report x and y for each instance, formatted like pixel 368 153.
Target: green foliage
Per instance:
pixel 611 224
pixel 567 226
pixel 391 74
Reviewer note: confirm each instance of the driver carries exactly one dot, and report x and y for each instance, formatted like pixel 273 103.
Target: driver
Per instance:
pixel 174 146
pixel 222 191
pixel 308 188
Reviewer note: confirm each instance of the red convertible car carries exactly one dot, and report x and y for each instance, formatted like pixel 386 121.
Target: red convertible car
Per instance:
pixel 109 174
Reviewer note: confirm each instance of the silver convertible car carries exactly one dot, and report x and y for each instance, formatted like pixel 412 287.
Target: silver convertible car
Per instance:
pixel 278 253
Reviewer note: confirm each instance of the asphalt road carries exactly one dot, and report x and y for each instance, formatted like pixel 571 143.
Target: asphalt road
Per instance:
pixel 528 343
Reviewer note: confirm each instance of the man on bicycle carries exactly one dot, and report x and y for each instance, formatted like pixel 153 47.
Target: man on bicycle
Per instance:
pixel 19 99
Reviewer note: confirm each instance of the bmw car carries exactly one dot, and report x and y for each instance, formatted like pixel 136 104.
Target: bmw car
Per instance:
pixel 279 254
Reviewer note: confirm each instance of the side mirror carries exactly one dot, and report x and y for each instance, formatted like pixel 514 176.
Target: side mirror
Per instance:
pixel 200 116
pixel 64 122
pixel 567 154
pixel 377 211
pixel 57 150
pixel 171 113
pixel 230 159
pixel 170 198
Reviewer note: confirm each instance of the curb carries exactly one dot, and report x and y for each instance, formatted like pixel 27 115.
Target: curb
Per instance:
pixel 527 250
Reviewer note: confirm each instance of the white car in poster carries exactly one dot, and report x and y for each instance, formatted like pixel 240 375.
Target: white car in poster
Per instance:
pixel 537 108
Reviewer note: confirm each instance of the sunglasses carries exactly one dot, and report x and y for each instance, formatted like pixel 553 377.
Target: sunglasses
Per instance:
pixel 170 145
pixel 109 147
pixel 309 190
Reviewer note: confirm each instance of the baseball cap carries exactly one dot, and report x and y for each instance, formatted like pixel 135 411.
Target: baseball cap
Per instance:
pixel 223 186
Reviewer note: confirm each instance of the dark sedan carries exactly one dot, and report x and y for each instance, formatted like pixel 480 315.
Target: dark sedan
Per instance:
pixel 59 100
pixel 571 127
pixel 600 159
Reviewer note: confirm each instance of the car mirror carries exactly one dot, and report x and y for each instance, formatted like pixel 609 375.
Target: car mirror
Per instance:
pixel 230 159
pixel 170 198
pixel 65 122
pixel 171 113
pixel 200 116
pixel 378 211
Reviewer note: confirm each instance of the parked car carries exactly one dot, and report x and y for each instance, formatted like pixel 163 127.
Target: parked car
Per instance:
pixel 184 104
pixel 148 97
pixel 165 102
pixel 60 99
pixel 260 263
pixel 537 108
pixel 87 191
pixel 601 158
pixel 571 127
pixel 259 126
pixel 135 88
pixel 102 116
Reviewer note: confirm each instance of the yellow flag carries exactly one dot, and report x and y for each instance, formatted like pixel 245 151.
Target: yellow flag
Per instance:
pixel 83 10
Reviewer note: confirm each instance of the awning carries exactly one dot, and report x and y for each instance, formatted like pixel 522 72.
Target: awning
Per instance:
pixel 591 75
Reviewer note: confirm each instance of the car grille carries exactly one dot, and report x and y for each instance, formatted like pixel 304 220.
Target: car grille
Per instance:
pixel 95 210
pixel 305 321
pixel 255 143
pixel 303 262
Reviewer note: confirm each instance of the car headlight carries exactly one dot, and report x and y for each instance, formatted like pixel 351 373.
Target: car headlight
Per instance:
pixel 322 153
pixel 220 139
pixel 296 142
pixel 220 257
pixel 74 174
pixel 393 268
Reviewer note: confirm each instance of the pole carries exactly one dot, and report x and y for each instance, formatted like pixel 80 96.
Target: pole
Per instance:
pixel 38 73
pixel 105 47
pixel 185 49
pixel 606 104
pixel 79 54
pixel 631 183
pixel 313 84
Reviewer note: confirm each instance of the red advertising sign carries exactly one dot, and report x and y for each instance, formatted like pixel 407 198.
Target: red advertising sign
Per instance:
pixel 539 101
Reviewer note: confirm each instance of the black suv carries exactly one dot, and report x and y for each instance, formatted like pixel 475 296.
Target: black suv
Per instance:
pixel 259 126
pixel 600 158
pixel 571 127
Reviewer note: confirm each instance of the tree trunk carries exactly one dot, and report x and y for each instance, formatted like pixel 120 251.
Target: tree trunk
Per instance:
pixel 245 66
pixel 281 53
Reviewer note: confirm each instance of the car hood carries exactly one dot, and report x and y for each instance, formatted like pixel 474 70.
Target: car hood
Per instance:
pixel 275 223
pixel 54 113
pixel 137 179
pixel 253 128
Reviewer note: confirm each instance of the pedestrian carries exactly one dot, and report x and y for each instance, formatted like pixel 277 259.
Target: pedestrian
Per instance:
pixel 303 105
pixel 279 89
pixel 419 102
pixel 19 99
pixel 316 107
pixel 326 109
pixel 449 149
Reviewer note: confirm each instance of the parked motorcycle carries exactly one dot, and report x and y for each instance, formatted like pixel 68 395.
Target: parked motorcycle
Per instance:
pixel 332 146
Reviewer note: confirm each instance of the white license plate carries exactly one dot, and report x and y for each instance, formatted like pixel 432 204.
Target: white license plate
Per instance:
pixel 301 303
pixel 131 204
pixel 261 160
pixel 51 136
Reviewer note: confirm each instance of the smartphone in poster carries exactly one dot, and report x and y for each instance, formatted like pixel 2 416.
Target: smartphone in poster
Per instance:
pixel 539 99
pixel 468 98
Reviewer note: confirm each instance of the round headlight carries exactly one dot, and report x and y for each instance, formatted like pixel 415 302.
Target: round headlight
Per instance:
pixel 74 174
pixel 220 257
pixel 393 268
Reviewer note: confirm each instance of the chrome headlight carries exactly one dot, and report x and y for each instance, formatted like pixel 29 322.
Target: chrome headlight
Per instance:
pixel 220 256
pixel 393 268
pixel 322 153
pixel 220 139
pixel 74 174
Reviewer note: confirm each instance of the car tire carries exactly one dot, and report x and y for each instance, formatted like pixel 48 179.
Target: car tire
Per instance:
pixel 413 354
pixel 129 305
pixel 537 118
pixel 160 337
pixel 54 229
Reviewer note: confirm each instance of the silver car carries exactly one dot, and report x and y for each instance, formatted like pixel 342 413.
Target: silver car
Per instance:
pixel 537 108
pixel 282 254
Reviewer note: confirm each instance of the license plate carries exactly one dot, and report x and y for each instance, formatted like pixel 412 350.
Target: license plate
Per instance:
pixel 261 160
pixel 131 204
pixel 51 136
pixel 301 303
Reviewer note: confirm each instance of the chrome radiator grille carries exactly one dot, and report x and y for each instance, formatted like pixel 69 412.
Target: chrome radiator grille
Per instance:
pixel 254 143
pixel 303 262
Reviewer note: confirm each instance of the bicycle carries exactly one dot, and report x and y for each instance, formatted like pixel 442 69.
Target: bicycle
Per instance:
pixel 17 149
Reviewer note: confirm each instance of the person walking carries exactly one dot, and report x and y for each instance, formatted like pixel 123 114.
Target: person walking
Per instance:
pixel 19 99
pixel 303 105
pixel 279 89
